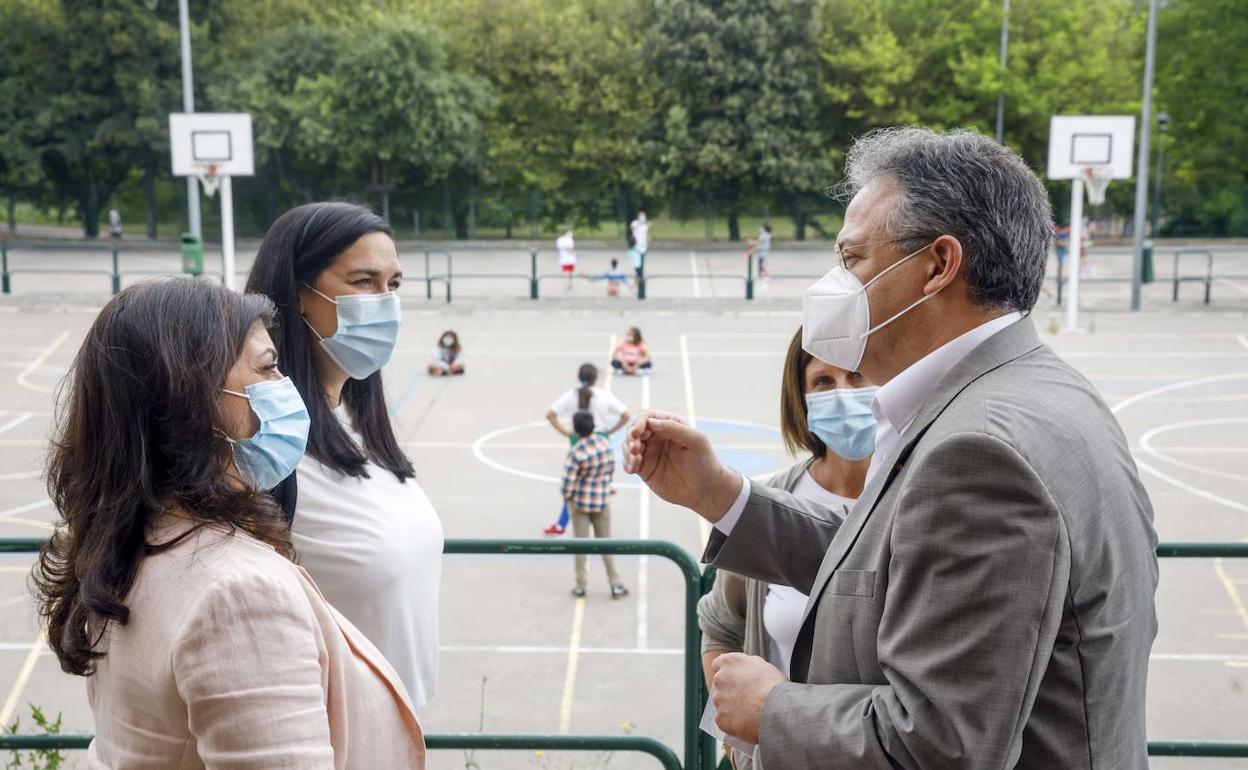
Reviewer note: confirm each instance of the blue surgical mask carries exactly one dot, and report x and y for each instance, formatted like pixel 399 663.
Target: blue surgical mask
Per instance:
pixel 273 453
pixel 843 421
pixel 368 330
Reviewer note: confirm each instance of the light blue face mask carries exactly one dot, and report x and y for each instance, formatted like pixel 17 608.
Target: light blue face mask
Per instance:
pixel 368 330
pixel 841 418
pixel 272 454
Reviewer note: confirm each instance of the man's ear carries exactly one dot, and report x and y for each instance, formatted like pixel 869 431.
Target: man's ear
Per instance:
pixel 944 263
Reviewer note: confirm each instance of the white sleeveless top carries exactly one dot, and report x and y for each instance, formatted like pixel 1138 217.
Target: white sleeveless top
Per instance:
pixel 374 548
pixel 784 606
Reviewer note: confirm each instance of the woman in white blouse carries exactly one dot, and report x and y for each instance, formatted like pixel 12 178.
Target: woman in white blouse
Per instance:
pixel 362 526
pixel 825 411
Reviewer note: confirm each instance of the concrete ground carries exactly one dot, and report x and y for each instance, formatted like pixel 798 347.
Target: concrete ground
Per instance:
pixel 517 655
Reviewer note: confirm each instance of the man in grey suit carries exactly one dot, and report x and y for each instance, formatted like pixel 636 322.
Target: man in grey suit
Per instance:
pixel 989 600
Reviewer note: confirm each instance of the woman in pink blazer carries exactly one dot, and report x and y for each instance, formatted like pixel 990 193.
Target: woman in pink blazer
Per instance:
pixel 169 583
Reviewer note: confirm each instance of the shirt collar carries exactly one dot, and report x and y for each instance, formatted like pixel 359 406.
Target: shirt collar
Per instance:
pixel 899 401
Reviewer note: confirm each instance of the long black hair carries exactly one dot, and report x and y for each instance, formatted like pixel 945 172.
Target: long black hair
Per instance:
pixel 298 247
pixel 587 375
pixel 138 433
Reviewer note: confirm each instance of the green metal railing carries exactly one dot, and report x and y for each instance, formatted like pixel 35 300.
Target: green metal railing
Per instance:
pixel 699 748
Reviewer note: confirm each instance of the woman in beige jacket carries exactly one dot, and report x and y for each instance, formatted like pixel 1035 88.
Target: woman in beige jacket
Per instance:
pixel 825 411
pixel 168 583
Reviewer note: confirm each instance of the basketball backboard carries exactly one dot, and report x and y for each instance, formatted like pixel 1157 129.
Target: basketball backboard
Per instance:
pixel 1077 142
pixel 220 139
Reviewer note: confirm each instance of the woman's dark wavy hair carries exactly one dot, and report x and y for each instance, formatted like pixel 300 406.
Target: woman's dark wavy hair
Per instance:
pixel 137 435
pixel 300 244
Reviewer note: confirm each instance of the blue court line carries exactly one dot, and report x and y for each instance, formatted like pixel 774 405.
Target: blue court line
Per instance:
pixel 408 392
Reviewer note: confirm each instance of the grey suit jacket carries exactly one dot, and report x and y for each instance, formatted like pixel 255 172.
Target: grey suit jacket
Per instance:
pixel 987 602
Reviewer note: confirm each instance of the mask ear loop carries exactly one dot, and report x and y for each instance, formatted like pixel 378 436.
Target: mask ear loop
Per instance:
pixel 313 289
pixel 912 306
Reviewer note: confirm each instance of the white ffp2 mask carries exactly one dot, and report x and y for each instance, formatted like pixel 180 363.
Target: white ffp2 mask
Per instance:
pixel 836 316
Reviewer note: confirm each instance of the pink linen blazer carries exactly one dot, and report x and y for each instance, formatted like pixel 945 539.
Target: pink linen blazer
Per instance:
pixel 232 659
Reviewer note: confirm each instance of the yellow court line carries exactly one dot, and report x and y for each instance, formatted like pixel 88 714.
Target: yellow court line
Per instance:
pixel 574 658
pixel 578 610
pixel 1240 609
pixel 704 527
pixel 1243 340
pixel 38 362
pixel 23 677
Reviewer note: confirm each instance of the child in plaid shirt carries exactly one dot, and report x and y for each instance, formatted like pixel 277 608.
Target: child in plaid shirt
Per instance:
pixel 586 486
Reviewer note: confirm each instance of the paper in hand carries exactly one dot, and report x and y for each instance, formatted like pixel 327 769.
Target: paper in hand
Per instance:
pixel 710 728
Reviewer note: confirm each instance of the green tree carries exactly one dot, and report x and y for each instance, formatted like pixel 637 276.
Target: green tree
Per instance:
pixel 118 79
pixel 392 109
pixel 737 109
pixel 27 69
pixel 572 98
pixel 1202 63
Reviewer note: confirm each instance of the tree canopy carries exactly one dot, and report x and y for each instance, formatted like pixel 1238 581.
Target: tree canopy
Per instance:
pixel 581 111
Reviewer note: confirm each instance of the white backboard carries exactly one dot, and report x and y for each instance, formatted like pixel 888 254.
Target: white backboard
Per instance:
pixel 1078 141
pixel 199 138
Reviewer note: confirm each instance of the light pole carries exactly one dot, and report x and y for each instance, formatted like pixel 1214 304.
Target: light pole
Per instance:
pixel 1141 167
pixel 1162 120
pixel 1005 49
pixel 188 105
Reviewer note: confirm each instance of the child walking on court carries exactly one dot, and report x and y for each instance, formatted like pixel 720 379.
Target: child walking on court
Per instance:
pixel 586 486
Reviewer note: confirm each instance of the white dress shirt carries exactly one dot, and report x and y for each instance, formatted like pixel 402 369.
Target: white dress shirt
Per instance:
pixel 898 401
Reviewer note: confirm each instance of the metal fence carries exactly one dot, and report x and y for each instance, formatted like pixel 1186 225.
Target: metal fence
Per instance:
pixel 699 747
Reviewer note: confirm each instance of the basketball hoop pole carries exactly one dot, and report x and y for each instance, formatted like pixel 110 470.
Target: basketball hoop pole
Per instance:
pixel 227 232
pixel 1072 253
pixel 188 105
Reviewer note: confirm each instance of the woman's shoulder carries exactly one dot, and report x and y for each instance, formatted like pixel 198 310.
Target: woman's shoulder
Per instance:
pixel 787 478
pixel 210 550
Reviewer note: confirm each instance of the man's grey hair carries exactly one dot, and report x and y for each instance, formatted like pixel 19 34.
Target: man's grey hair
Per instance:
pixel 963 184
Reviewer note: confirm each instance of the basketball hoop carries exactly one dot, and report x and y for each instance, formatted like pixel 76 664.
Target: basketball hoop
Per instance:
pixel 1097 179
pixel 207 175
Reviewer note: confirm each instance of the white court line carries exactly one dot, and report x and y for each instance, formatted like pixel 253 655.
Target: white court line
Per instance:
pixel 1194 490
pixel 10 513
pixel 19 475
pixel 38 362
pixel 1147 447
pixel 704 528
pixel 1243 339
pixel 693 271
pixel 16 421
pixel 1229 283
pixel 23 677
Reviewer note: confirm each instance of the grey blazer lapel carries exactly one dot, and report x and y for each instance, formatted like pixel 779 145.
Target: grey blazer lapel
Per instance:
pixel 1010 343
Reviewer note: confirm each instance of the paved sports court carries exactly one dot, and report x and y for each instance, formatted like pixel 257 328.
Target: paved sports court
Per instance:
pixel 518 655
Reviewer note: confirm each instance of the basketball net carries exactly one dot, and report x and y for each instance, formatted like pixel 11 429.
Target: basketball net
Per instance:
pixel 1096 179
pixel 208 178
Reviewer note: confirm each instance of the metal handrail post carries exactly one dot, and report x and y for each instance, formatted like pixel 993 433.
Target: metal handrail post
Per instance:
pixel 116 271
pixel 749 276
pixel 428 280
pixel 641 275
pixel 533 291
pixel 4 268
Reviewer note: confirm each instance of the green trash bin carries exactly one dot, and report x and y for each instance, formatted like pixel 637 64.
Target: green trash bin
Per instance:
pixel 1146 262
pixel 192 254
